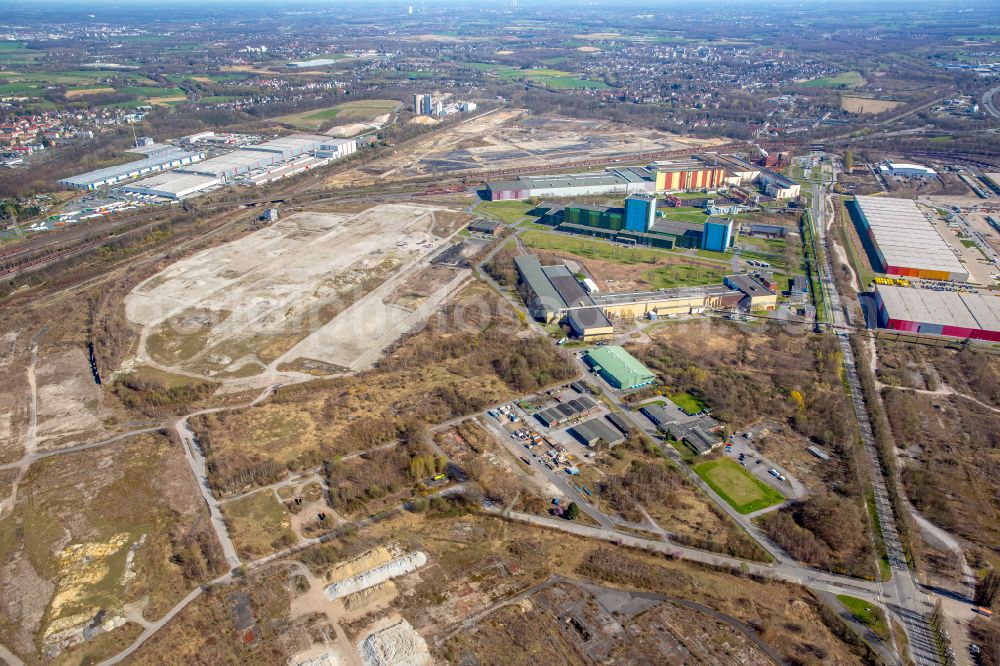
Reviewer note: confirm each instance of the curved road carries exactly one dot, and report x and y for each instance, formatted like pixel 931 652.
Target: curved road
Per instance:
pixel 989 105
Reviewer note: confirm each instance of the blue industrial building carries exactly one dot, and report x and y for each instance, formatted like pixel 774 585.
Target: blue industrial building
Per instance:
pixel 718 235
pixel 640 212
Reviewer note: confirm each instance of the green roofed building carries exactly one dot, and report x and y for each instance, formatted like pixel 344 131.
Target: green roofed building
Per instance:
pixel 619 368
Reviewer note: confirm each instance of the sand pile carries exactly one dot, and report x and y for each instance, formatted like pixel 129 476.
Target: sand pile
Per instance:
pixel 398 644
pixel 363 580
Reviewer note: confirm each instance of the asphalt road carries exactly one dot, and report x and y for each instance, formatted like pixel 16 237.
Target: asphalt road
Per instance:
pixel 989 102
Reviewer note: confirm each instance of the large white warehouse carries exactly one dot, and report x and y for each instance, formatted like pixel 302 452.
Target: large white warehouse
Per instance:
pixel 158 158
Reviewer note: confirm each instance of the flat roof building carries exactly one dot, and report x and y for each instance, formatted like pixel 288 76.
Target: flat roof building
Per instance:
pixel 567 286
pixel 590 324
pixel 657 414
pixel 231 165
pixel 158 158
pixel 484 226
pixel 542 299
pixel 291 146
pixel 172 185
pixel 778 186
pixel 890 168
pixel 610 181
pixel 905 241
pixel 758 294
pixel 766 231
pixel 619 368
pixel 589 433
pixel 696 172
pixel 618 422
pixel 974 315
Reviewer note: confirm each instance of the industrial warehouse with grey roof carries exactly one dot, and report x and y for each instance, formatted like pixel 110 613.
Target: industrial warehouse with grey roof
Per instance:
pixel 595 430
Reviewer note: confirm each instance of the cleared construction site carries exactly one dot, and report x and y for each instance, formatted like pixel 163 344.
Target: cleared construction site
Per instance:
pixel 323 291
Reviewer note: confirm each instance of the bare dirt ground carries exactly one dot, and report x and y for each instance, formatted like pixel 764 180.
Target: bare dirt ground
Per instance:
pixel 91 533
pixel 315 285
pixel 866 105
pixel 511 138
pixel 14 394
pixel 69 401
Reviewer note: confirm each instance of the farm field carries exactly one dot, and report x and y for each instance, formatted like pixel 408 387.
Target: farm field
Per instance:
pixel 842 80
pixel 866 105
pixel 739 488
pixel 361 110
pixel 552 78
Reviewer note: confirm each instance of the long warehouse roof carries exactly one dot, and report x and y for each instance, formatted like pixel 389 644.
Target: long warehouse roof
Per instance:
pixel 620 363
pixel 905 237
pixel 173 182
pixel 558 181
pixel 531 271
pixel 947 308
pixel 159 158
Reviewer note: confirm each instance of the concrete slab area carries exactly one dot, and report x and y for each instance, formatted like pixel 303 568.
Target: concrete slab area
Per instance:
pixel 249 302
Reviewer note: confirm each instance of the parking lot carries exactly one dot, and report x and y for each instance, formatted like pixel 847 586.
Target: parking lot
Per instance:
pixel 552 451
pixel 742 451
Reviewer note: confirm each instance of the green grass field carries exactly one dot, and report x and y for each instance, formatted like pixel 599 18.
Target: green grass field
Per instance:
pixel 845 79
pixel 866 613
pixel 507 212
pixel 687 402
pixel 591 249
pixel 361 110
pixel 685 274
pixel 543 76
pixel 672 269
pixel 151 91
pixel 686 214
pixel 743 491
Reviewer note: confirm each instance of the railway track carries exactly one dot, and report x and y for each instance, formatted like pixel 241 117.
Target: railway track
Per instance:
pixel 55 245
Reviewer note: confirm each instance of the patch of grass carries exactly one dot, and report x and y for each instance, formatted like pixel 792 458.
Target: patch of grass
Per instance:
pixel 365 109
pixel 684 274
pixel 258 525
pixel 673 269
pixel 743 491
pixel 866 613
pixel 686 214
pixel 507 212
pixel 544 76
pixel 687 402
pixel 843 80
pixel 152 91
pixel 687 453
pixel 18 89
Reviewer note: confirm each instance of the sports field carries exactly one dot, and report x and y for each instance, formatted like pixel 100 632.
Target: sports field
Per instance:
pixel 742 490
